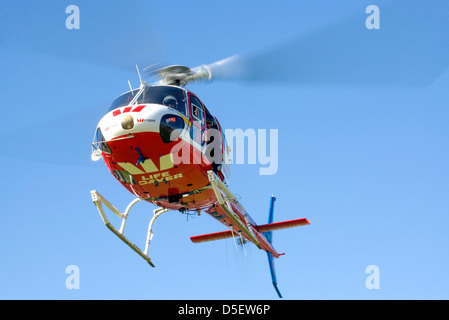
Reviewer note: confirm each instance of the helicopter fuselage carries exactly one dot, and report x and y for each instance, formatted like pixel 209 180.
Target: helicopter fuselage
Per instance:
pixel 163 145
pixel 160 153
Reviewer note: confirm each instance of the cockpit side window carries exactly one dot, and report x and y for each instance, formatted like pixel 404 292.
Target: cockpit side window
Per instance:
pixel 210 120
pixel 100 142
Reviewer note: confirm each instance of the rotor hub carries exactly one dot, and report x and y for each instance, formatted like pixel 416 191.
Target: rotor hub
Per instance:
pixel 175 75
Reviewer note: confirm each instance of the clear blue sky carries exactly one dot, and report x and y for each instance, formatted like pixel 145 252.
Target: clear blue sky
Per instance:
pixel 367 165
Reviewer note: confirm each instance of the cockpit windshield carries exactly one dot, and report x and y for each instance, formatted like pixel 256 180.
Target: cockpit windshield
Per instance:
pixel 123 100
pixel 171 97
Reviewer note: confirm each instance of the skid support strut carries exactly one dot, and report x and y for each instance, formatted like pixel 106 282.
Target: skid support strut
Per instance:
pixel 99 200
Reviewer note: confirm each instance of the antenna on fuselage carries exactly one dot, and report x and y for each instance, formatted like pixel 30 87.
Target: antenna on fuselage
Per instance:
pixel 138 72
pixel 142 82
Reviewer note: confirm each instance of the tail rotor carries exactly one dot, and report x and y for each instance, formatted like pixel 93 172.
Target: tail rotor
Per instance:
pixel 269 236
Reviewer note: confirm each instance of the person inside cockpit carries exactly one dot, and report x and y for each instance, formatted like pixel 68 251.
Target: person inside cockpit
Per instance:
pixel 210 122
pixel 171 102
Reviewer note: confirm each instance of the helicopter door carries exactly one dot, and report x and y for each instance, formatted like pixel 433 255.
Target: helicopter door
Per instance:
pixel 225 160
pixel 197 117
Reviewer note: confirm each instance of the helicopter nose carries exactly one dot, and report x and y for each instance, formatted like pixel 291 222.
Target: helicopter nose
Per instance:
pixel 150 118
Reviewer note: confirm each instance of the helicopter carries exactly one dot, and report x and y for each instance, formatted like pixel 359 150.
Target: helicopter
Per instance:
pixel 156 140
pixel 162 144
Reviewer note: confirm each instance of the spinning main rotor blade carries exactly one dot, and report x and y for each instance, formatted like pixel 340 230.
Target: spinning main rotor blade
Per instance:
pixel 61 141
pixel 410 48
pixel 85 31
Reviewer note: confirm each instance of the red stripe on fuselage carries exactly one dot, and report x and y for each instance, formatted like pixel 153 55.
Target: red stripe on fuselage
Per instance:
pixel 139 108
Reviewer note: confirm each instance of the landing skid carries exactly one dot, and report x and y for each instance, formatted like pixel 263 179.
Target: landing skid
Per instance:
pixel 99 200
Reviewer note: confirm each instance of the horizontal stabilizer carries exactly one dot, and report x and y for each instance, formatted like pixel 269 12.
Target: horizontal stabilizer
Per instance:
pixel 261 228
pixel 213 236
pixel 282 225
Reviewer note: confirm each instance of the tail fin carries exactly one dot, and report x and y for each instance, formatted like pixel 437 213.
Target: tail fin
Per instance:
pixel 269 236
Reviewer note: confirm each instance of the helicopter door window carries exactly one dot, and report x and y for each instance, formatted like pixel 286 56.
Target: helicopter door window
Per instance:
pixel 196 131
pixel 196 134
pixel 197 110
